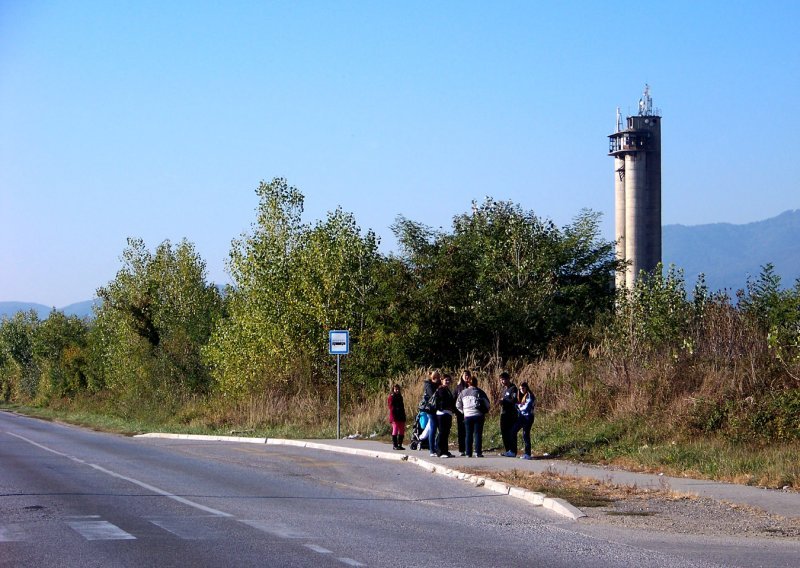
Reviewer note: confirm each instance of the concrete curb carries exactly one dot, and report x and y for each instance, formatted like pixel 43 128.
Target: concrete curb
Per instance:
pixel 205 438
pixel 558 506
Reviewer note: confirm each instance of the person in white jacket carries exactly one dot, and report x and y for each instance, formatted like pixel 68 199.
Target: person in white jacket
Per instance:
pixel 474 404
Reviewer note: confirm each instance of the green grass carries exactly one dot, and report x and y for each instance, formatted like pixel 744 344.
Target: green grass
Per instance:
pixel 638 444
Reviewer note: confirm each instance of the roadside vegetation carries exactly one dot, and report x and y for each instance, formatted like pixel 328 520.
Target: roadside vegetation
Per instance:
pixel 657 378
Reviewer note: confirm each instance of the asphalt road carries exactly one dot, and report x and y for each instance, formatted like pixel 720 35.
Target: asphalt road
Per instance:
pixel 77 498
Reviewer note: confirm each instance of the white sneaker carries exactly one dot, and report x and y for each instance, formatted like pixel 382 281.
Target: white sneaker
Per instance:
pixel 525 457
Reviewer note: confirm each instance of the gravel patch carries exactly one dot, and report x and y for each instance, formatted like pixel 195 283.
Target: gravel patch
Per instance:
pixel 692 515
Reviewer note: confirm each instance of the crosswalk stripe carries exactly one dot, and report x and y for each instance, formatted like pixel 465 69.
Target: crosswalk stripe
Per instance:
pixel 277 529
pixel 187 529
pixel 11 533
pixel 350 562
pixel 99 530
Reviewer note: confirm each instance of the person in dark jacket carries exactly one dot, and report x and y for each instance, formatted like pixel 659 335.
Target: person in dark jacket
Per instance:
pixel 462 385
pixel 445 408
pixel 430 387
pixel 397 417
pixel 474 403
pixel 525 408
pixel 508 415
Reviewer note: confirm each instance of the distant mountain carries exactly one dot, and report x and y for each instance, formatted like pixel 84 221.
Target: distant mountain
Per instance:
pixel 80 309
pixel 728 253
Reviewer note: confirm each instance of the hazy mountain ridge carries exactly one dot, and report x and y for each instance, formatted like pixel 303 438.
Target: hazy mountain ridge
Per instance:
pixel 80 309
pixel 727 254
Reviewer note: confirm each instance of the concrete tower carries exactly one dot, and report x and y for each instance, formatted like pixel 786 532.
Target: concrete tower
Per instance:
pixel 637 187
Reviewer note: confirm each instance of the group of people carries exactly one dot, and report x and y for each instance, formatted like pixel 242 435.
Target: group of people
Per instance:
pixel 469 405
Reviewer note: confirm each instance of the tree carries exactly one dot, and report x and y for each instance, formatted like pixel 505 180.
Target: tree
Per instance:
pixel 155 317
pixel 504 282
pixel 293 283
pixel 59 345
pixel 20 373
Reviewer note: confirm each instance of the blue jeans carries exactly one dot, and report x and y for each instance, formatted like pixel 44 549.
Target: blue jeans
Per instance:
pixel 523 423
pixel 433 420
pixel 474 432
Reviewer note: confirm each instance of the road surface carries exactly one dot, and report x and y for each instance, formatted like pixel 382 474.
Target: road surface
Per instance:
pixel 71 497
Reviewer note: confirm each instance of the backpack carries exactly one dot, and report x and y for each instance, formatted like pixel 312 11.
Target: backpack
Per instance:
pixel 429 404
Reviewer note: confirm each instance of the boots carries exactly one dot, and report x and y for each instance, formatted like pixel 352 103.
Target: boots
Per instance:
pixel 400 442
pixel 395 445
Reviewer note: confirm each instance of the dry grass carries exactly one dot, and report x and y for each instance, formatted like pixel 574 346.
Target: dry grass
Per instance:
pixel 579 491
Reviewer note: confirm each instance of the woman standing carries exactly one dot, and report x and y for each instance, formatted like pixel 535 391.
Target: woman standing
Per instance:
pixel 462 385
pixel 525 406
pixel 428 406
pixel 474 403
pixel 445 407
pixel 397 417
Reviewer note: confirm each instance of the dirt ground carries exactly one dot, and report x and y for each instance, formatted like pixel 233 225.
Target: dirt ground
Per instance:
pixel 661 509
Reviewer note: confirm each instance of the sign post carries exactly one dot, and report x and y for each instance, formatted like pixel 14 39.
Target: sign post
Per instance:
pixel 338 344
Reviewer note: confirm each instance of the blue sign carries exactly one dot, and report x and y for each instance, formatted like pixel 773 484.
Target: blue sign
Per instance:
pixel 339 342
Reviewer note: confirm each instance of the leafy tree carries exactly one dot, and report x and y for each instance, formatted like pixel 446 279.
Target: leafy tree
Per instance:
pixel 292 284
pixel 654 315
pixel 777 312
pixel 59 344
pixel 20 373
pixel 504 281
pixel 155 317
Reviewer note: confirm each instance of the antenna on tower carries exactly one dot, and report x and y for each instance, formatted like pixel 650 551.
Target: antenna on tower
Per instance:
pixel 646 102
pixel 619 120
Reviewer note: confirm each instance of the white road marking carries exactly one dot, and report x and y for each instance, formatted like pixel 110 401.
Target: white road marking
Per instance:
pixel 185 528
pixel 276 529
pixel 317 548
pixel 350 562
pixel 152 488
pixel 11 533
pixel 100 530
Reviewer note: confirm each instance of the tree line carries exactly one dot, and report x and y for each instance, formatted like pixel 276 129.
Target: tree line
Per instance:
pixel 501 284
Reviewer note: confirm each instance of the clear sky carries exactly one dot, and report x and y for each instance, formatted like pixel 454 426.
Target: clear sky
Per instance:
pixel 158 119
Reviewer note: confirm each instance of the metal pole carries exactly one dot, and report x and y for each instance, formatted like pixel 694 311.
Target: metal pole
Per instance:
pixel 338 399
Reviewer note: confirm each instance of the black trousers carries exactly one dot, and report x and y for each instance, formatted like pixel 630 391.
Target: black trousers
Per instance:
pixel 462 432
pixel 507 422
pixel 445 424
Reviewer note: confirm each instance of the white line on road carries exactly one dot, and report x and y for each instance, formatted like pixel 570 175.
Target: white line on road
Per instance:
pixel 317 548
pixel 350 562
pixel 276 529
pixel 100 530
pixel 128 479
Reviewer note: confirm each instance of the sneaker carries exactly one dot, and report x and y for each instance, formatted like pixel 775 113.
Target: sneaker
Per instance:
pixel 401 448
pixel 509 454
pixel 433 455
pixel 444 456
pixel 462 454
pixel 468 455
pixel 525 457
pixel 478 455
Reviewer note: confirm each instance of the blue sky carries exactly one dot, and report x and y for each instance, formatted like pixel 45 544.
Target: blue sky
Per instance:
pixel 158 119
